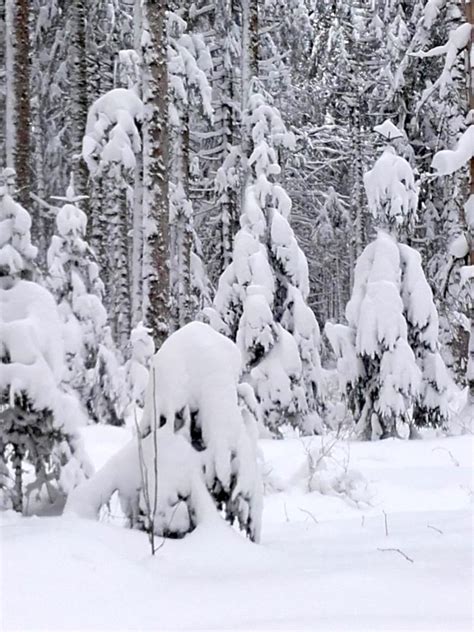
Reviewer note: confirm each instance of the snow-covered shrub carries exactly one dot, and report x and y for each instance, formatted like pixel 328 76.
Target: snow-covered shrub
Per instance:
pixel 261 297
pixel 326 470
pixel 38 415
pixel 73 277
pixel 388 358
pixel 194 440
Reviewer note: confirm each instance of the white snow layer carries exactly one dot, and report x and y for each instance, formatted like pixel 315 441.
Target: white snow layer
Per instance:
pixel 325 562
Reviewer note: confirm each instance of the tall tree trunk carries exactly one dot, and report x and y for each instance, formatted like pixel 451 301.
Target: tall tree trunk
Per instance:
pixel 155 164
pixel 22 100
pixel 9 84
pixel 78 95
pixel 226 98
pixel 18 481
pixel 470 204
pixel 137 219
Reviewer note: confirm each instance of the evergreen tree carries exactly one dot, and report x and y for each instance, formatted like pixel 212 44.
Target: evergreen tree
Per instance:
pixel 388 354
pixel 39 415
pixel 93 360
pixel 261 298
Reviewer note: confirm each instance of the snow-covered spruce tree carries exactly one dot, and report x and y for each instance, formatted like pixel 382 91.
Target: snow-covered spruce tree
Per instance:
pixel 449 162
pixel 197 450
pixel 73 277
pixel 388 356
pixel 426 98
pixel 261 298
pixel 39 442
pixel 110 146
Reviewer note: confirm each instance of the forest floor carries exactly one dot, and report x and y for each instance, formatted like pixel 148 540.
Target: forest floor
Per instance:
pixel 387 546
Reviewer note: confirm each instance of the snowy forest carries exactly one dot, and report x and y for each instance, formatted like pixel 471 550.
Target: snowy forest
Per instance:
pixel 236 314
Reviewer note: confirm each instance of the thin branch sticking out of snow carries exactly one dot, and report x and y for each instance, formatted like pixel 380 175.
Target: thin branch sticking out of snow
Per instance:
pixel 401 553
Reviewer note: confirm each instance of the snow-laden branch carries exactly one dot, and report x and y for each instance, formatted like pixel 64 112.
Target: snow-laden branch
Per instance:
pixel 447 161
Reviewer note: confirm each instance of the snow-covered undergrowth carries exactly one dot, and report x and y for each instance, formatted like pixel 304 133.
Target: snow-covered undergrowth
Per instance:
pixel 325 561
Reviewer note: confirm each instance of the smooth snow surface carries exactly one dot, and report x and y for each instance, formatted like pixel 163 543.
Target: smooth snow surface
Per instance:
pixel 320 570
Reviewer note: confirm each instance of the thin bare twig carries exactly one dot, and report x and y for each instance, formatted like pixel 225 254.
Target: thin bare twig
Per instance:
pixel 434 528
pixel 309 514
pixel 385 517
pixel 454 460
pixel 401 553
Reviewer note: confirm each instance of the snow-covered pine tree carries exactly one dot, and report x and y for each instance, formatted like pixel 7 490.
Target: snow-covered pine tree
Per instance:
pixel 73 277
pixel 39 416
pixel 261 298
pixel 388 356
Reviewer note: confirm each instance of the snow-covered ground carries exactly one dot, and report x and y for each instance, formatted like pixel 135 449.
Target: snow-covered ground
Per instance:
pixel 323 563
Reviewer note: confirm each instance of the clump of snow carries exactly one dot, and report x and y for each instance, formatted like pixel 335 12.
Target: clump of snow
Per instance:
pixel 111 134
pixel 138 366
pixel 16 250
pixel 391 189
pixel 388 130
pixel 447 161
pixel 459 248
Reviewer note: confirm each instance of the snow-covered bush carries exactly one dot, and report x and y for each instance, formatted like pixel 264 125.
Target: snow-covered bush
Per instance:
pixel 261 298
pixel 73 277
pixel 326 470
pixel 388 358
pixel 38 415
pixel 194 440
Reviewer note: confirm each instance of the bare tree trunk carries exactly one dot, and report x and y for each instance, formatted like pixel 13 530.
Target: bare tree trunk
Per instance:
pixel 137 219
pixel 9 84
pixel 156 163
pixel 18 485
pixel 78 95
pixel 22 100
pixel 227 96
pixel 249 73
pixel 469 6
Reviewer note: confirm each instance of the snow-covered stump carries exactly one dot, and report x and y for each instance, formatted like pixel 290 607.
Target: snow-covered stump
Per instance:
pixel 196 450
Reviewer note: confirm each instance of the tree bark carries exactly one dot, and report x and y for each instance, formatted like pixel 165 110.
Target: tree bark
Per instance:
pixel 156 163
pixel 78 96
pixel 469 6
pixel 22 100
